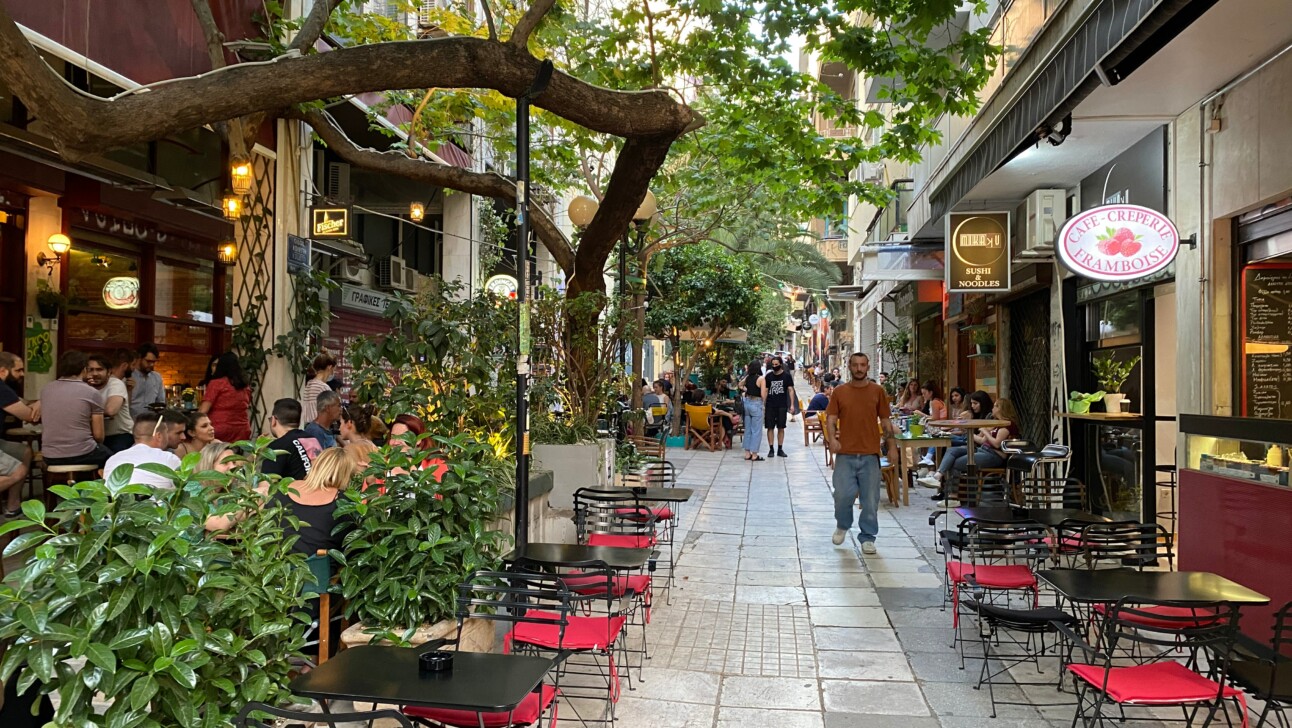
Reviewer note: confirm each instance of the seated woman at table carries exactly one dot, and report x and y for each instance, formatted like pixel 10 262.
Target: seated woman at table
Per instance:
pixel 313 502
pixel 910 399
pixel 958 404
pixel 407 431
pixel 198 433
pixel 692 394
pixel 934 409
pixel 980 407
pixel 820 400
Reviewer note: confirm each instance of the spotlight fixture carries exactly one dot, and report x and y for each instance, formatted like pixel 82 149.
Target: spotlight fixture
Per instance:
pixel 417 211
pixel 1055 134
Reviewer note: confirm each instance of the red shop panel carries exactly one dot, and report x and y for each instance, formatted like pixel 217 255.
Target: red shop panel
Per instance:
pixel 345 326
pixel 1238 530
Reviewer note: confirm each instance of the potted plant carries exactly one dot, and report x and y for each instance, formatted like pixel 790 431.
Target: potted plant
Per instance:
pixel 1079 402
pixel 417 536
pixel 984 340
pixel 1111 375
pixel 125 600
pixel 49 302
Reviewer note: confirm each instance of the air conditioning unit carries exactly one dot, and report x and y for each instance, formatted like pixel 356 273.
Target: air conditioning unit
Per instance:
pixel 338 182
pixel 411 278
pixel 1043 214
pixel 392 274
pixel 349 270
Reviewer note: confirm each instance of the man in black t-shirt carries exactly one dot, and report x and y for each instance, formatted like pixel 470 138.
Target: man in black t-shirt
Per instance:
pixel 778 392
pixel 15 457
pixel 299 449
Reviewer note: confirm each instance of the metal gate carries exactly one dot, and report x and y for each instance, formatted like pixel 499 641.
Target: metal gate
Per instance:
pixel 1029 364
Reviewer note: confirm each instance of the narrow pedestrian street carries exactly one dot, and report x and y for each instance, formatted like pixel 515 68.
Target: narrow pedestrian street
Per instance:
pixel 772 625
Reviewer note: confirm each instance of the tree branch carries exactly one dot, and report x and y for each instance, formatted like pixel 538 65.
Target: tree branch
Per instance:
pixel 488 16
pixel 79 124
pixel 312 29
pixel 211 30
pixel 440 175
pixel 528 22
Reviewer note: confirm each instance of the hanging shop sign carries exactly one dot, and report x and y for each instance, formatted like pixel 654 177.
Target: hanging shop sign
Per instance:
pixel 979 245
pixel 298 254
pixel 502 285
pixel 1118 243
pixel 330 222
pixel 121 293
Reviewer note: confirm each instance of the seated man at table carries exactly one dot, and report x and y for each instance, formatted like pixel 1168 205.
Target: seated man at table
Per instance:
pixel 820 400
pixel 328 406
pixel 72 415
pixel 15 457
pixel 156 434
pixel 298 449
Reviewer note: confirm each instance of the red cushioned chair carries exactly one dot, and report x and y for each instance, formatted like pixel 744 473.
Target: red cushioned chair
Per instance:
pixel 1145 629
pixel 1264 671
pixel 996 560
pixel 497 596
pixel 659 474
pixel 594 634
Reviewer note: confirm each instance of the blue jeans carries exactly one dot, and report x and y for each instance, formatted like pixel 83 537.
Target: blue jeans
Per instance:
pixel 949 458
pixel 753 440
pixel 856 475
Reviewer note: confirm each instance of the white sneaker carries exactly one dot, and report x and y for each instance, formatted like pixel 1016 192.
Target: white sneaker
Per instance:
pixel 868 548
pixel 926 461
pixel 930 482
pixel 839 535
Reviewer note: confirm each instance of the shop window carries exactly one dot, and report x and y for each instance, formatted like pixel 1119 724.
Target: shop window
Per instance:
pixel 182 336
pixel 102 330
pixel 186 290
pixel 103 279
pixel 1114 319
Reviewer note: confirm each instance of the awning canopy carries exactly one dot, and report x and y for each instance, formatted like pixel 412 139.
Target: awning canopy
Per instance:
pixel 903 262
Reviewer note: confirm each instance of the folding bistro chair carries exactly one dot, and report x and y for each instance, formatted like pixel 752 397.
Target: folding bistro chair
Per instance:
pixel 1126 544
pixel 323 624
pixel 1148 631
pixel 968 491
pixel 1265 671
pixel 1011 637
pixel 612 518
pixel 251 716
pixel 538 610
pixel 703 427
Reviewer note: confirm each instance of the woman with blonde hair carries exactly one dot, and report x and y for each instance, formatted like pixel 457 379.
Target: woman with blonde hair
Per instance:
pixel 217 456
pixel 313 502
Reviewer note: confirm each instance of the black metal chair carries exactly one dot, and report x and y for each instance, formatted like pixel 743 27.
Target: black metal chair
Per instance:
pixel 1012 637
pixel 968 491
pixel 1265 671
pixel 1132 663
pixel 1126 544
pixel 251 716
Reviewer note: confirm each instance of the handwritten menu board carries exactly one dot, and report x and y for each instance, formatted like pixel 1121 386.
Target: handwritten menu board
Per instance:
pixel 1267 341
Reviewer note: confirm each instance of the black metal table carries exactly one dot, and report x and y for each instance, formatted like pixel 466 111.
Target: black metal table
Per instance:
pixel 613 557
pixel 1102 586
pixel 1050 517
pixel 478 681
pixel 661 495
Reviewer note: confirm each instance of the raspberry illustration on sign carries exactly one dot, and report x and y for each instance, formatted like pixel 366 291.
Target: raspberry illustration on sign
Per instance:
pixel 1123 242
pixel 1118 242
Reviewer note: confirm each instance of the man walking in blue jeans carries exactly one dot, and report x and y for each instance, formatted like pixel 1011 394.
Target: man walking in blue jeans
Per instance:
pixel 854 417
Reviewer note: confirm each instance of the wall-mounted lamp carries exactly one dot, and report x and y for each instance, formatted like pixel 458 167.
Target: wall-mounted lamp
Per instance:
pixel 228 252
pixel 240 175
pixel 231 206
pixel 417 211
pixel 60 244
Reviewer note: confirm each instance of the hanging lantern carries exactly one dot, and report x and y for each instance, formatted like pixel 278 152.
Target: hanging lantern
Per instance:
pixel 417 211
pixel 228 252
pixel 232 206
pixel 240 175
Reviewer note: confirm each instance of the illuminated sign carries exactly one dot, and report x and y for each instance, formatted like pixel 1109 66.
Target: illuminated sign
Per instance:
pixel 121 293
pixel 502 285
pixel 979 246
pixel 330 222
pixel 1118 243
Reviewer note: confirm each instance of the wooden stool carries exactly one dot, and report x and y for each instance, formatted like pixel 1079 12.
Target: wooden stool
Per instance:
pixel 888 474
pixel 64 475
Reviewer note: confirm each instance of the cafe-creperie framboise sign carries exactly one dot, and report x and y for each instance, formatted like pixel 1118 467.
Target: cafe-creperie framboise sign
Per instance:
pixel 1118 242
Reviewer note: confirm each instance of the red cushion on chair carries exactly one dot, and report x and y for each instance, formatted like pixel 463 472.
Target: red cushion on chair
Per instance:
pixel 998 577
pixel 626 541
pixel 1157 683
pixel 1175 616
pixel 582 633
pixel 661 513
pixel 527 713
pixel 620 585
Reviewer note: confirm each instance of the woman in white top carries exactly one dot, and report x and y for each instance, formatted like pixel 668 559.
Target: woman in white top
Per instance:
pixel 316 379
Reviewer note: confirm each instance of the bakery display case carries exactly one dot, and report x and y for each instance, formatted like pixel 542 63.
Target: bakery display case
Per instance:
pixel 1250 449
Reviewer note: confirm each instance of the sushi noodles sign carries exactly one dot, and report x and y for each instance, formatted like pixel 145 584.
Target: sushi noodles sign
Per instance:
pixel 1118 243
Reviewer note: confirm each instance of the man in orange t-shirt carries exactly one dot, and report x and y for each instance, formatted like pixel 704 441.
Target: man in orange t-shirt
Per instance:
pixel 857 412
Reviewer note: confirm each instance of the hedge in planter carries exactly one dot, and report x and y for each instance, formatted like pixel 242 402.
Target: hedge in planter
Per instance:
pixel 412 545
pixel 175 628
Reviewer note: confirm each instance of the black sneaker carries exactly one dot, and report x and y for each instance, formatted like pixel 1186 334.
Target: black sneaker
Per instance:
pixel 771 453
pixel 938 497
pixel 780 451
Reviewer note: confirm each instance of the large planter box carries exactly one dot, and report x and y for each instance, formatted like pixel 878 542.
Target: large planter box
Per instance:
pixel 586 465
pixel 477 635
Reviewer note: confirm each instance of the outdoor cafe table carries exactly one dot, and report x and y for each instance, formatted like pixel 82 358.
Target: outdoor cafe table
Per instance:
pixel 968 425
pixel 1049 517
pixel 478 681
pixel 1104 586
pixel 906 444
pixel 619 559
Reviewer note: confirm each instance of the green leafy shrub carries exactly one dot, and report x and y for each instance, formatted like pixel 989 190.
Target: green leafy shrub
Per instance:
pixel 124 594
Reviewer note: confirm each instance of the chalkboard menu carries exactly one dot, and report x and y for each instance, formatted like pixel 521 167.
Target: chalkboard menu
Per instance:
pixel 1267 341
